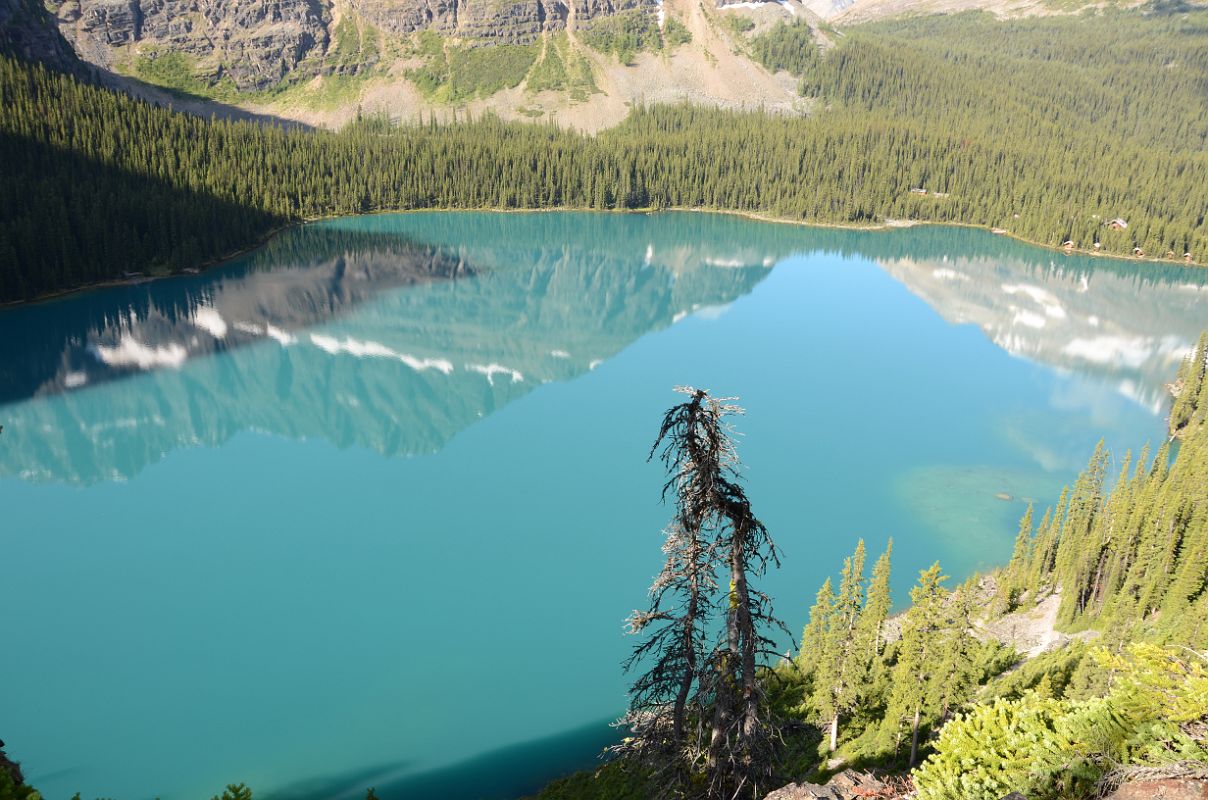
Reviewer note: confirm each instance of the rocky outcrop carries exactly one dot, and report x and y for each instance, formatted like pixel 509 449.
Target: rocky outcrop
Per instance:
pixel 27 31
pixel 408 16
pixel 254 42
pixel 847 785
pixel 257 43
pixel 852 785
pixel 1164 789
pixel 494 21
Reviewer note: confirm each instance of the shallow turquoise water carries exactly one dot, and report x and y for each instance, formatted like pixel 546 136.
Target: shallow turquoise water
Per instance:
pixel 368 507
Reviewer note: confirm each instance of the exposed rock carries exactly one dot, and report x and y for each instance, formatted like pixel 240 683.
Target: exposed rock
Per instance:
pixel 254 42
pixel 258 42
pixel 498 21
pixel 847 785
pixel 804 791
pixel 408 16
pixel 1031 631
pixel 27 30
pixel 1166 789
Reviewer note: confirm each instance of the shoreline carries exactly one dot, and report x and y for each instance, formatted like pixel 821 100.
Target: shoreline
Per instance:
pixel 888 225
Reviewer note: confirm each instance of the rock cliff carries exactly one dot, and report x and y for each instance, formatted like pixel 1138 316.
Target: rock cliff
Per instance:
pixel 502 21
pixel 255 44
pixel 28 31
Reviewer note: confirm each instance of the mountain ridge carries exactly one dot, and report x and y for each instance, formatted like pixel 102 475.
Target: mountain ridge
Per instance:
pixel 579 63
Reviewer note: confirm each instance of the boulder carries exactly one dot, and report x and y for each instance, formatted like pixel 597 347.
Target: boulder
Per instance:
pixel 804 791
pixel 1164 789
pixel 847 785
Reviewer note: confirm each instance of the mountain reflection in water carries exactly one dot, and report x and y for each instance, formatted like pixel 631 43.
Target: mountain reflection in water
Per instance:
pixel 458 314
pixel 436 343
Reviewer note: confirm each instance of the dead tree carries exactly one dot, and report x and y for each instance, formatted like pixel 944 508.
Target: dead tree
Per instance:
pixel 665 717
pixel 697 709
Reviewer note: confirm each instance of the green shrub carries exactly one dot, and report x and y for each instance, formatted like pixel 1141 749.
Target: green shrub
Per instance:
pixel 623 35
pixel 170 70
pixel 235 791
pixel 1055 669
pixel 457 73
pixel 612 781
pixel 738 24
pixel 1047 748
pixel 561 69
pixel 675 33
pixel 10 791
pixel 789 47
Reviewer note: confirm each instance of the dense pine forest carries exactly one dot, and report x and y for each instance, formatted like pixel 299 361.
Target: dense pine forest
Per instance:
pixel 1061 127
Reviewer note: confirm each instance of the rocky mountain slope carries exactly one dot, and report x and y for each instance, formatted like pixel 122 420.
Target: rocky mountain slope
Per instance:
pixel 578 63
pixel 582 63
pixel 258 43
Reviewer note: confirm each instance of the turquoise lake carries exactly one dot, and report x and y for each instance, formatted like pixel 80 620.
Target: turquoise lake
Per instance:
pixel 368 506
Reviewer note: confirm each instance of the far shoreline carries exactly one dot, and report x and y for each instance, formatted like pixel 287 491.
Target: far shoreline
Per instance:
pixel 887 226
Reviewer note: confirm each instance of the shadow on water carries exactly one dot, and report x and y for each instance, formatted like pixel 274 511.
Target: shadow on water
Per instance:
pixel 504 774
pixel 352 783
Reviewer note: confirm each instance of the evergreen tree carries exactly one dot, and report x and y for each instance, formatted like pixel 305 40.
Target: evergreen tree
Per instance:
pixel 837 670
pixel 918 668
pixel 1013 579
pixel 869 637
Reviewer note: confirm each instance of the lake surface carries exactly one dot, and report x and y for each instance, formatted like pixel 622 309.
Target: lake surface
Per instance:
pixel 369 505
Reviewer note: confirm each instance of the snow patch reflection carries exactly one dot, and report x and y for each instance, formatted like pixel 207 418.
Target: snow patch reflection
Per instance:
pixel 491 370
pixel 370 349
pixel 129 352
pixel 210 321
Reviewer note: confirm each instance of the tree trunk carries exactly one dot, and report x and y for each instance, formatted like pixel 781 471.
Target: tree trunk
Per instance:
pixel 914 740
pixel 727 682
pixel 745 636
pixel 685 688
pixel 679 715
pixel 834 732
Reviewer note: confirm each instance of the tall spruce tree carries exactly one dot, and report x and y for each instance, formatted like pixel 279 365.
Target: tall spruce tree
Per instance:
pixel 869 638
pixel 919 665
pixel 1012 580
pixel 841 645
pixel 837 672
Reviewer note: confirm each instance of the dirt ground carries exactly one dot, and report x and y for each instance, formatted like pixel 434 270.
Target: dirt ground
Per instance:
pixel 1033 631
